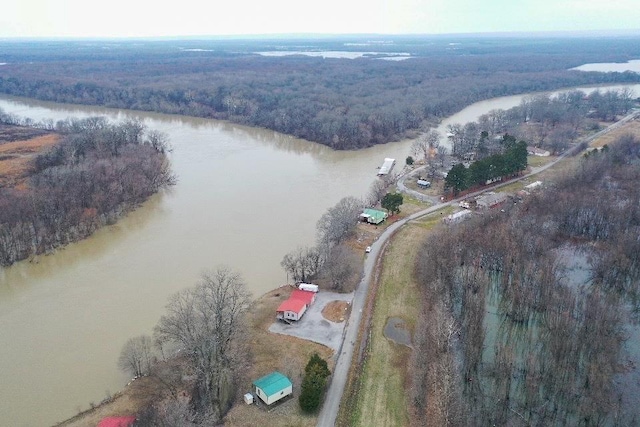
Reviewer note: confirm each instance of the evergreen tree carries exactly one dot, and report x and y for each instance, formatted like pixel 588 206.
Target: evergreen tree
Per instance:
pixel 392 202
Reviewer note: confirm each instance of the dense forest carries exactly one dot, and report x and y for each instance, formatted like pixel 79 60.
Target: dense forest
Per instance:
pixel 527 313
pixel 95 174
pixel 342 103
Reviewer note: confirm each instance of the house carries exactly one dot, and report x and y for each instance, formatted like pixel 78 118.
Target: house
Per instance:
pixel 535 151
pixel 117 421
pixel 373 216
pixel 297 304
pixel 457 217
pixel 386 166
pixel 273 387
pixel 491 200
pixel 291 309
pixel 308 297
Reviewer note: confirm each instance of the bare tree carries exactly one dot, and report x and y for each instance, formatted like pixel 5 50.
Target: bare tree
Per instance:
pixel 171 413
pixel 207 321
pixel 137 356
pixel 302 263
pixel 340 267
pixel 426 145
pixel 339 221
pixel 378 189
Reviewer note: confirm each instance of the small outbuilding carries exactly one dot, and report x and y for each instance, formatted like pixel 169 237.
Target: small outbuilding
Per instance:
pixel 489 200
pixel 457 217
pixel 373 216
pixel 535 151
pixel 273 387
pixel 248 398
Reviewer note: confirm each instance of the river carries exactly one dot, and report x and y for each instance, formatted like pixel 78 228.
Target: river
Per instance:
pixel 244 198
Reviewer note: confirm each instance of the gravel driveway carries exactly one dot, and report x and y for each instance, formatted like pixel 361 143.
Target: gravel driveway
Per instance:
pixel 313 326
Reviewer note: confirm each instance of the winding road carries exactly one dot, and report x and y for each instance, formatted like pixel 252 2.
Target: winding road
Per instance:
pixel 329 411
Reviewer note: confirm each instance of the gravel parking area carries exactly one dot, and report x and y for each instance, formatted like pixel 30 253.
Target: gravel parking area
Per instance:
pixel 313 326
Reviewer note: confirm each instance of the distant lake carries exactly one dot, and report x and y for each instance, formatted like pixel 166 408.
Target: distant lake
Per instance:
pixel 339 54
pixel 608 67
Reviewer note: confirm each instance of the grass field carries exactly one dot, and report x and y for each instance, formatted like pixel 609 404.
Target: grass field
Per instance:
pixel 382 395
pixel 16 157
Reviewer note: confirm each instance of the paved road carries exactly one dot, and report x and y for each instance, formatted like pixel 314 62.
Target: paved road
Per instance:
pixel 329 411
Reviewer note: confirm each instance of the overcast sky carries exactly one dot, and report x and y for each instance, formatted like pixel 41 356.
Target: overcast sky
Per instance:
pixel 144 18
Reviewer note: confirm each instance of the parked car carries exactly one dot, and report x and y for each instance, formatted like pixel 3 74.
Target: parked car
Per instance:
pixel 368 249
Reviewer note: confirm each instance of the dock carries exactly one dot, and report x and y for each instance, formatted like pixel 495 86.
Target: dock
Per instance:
pixel 386 166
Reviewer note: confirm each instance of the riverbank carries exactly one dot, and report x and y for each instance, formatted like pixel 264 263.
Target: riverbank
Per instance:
pixel 283 353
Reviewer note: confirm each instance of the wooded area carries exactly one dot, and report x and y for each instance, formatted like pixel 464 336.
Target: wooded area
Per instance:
pixel 511 332
pixel 95 174
pixel 342 103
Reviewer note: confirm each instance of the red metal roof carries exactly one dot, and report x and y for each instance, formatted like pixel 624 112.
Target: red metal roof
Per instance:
pixel 306 296
pixel 291 304
pixel 117 422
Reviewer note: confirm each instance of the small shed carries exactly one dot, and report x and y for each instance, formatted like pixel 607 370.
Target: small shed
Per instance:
pixel 535 151
pixel 533 185
pixel 248 398
pixel 273 387
pixel 373 216
pixel 457 217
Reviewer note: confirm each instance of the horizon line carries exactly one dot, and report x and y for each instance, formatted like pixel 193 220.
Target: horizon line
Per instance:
pixel 266 36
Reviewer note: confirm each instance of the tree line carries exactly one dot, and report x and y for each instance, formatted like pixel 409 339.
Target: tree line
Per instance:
pixel 508 335
pixel 95 174
pixel 331 260
pixel 546 121
pixel 342 103
pixel 488 169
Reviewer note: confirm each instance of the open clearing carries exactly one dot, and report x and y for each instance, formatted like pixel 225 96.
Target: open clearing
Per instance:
pixel 336 311
pixel 382 389
pixel 16 155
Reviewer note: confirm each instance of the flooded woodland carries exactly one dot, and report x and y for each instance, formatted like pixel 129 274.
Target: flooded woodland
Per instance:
pixel 538 323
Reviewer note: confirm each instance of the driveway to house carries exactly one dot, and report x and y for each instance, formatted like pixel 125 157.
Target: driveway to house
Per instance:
pixel 313 326
pixel 329 411
pixel 402 188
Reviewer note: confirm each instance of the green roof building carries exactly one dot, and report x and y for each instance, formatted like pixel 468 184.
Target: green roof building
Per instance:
pixel 273 387
pixel 373 216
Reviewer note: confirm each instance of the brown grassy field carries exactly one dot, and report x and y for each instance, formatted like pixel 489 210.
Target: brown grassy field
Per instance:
pixel 382 388
pixel 16 156
pixel 633 128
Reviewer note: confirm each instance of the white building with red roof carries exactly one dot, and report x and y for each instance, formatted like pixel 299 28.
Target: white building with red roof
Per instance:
pixel 294 307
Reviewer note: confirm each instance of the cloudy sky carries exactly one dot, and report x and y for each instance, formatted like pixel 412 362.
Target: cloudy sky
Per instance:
pixel 146 18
